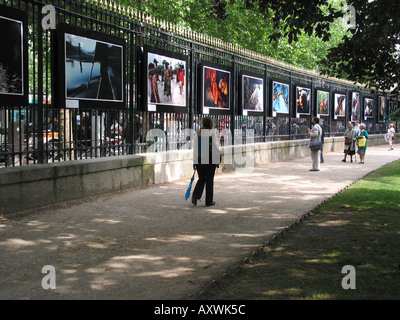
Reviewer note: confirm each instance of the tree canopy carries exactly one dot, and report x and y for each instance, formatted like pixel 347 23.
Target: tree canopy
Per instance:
pixel 307 33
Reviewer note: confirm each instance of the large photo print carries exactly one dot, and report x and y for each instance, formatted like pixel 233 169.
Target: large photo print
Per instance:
pixel 252 94
pixel 93 69
pixel 166 80
pixel 368 108
pixel 322 103
pixel 13 58
pixel 340 105
pixel 303 100
pixel 216 88
pixel 382 107
pixel 280 97
pixel 355 106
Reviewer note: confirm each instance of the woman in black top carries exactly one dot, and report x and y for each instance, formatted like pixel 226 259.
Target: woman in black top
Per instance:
pixel 206 157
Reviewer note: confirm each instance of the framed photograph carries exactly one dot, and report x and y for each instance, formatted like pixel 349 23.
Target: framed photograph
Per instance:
pixel 368 108
pixel 323 104
pixel 13 57
pixel 166 80
pixel 280 98
pixel 216 89
pixel 303 100
pixel 355 106
pixel 91 67
pixel 339 105
pixel 390 107
pixel 252 94
pixel 381 108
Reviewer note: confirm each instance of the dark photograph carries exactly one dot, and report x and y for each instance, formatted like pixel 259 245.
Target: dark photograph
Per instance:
pixel 11 57
pixel 93 69
pixel 252 93
pixel 303 100
pixel 216 88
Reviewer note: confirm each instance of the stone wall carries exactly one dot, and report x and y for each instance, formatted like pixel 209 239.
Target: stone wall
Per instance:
pixel 29 187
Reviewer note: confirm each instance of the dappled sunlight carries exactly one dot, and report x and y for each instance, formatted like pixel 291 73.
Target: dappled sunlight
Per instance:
pixel 19 243
pixel 332 223
pixel 178 238
pixel 168 273
pixel 109 221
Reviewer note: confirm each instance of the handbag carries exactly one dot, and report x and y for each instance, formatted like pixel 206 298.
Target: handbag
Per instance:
pixel 347 141
pixel 315 145
pixel 362 142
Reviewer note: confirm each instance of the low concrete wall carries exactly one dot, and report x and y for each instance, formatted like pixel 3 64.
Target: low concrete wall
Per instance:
pixel 29 187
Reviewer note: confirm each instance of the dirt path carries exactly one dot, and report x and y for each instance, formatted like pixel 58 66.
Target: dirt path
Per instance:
pixel 152 244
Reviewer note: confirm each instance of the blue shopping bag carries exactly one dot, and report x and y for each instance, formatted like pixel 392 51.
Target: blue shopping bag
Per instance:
pixel 187 195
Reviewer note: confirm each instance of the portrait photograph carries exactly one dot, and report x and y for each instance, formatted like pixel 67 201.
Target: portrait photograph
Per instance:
pixel 303 100
pixel 93 69
pixel 355 106
pixel 216 88
pixel 322 103
pixel 13 58
pixel 368 108
pixel 252 93
pixel 381 110
pixel 166 80
pixel 340 105
pixel 280 97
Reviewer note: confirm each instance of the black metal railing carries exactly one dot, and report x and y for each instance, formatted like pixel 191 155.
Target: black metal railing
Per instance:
pixel 42 131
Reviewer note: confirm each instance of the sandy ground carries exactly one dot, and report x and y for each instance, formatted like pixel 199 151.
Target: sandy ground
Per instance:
pixel 150 243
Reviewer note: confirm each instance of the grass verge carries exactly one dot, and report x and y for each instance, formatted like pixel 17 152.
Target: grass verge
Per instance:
pixel 358 227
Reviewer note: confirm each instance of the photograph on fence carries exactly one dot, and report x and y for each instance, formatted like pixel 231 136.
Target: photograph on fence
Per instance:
pixel 166 73
pixel 280 98
pixel 381 109
pixel 355 106
pixel 368 108
pixel 390 107
pixel 93 66
pixel 303 100
pixel 339 105
pixel 216 89
pixel 13 58
pixel 251 94
pixel 323 103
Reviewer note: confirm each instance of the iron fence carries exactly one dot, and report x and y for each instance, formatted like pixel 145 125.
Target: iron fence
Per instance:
pixel 41 131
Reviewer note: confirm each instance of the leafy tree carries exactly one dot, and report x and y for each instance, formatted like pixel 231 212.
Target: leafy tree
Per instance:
pixel 307 33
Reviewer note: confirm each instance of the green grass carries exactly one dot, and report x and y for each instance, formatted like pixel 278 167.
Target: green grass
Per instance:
pixel 358 227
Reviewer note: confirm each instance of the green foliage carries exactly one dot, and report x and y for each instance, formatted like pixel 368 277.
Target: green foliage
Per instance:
pixel 254 25
pixel 307 33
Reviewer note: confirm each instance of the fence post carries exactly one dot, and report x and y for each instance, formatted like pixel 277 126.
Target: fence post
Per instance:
pixel 40 87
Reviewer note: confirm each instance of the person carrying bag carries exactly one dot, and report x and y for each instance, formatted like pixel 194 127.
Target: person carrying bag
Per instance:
pixel 206 157
pixel 315 144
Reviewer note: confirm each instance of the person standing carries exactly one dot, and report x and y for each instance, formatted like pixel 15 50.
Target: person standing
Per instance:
pixel 391 133
pixel 362 148
pixel 315 135
pixel 349 142
pixel 206 158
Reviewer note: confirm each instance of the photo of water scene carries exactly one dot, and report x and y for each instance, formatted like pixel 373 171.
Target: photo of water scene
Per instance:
pixel 93 69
